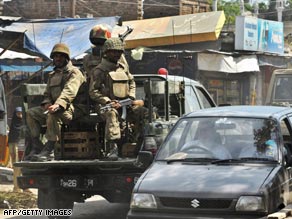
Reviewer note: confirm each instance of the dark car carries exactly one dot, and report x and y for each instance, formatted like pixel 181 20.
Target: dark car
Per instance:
pixel 224 162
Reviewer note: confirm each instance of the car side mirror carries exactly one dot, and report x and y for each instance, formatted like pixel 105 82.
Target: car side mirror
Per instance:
pixel 287 154
pixel 144 159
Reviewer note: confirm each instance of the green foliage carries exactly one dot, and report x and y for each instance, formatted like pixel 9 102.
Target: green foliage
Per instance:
pixel 231 10
pixel 263 7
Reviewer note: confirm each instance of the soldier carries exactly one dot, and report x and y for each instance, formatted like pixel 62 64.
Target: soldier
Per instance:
pixel 112 81
pixel 62 102
pixel 97 36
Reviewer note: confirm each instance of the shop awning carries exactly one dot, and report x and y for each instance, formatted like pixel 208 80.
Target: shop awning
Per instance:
pixel 15 61
pixel 173 30
pixel 227 64
pixel 37 37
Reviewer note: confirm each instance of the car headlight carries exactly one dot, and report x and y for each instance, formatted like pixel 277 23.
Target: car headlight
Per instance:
pixel 143 200
pixel 250 203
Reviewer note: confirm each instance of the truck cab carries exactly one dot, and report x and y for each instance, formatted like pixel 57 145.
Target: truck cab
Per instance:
pixel 280 88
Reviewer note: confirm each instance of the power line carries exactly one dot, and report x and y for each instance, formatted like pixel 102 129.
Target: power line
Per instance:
pixel 13 10
pixel 133 3
pixel 83 4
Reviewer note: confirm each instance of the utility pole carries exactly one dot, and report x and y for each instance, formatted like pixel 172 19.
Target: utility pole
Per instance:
pixel 215 2
pixel 241 5
pixel 1 7
pixel 256 8
pixel 280 8
pixel 73 8
pixel 59 9
pixel 140 9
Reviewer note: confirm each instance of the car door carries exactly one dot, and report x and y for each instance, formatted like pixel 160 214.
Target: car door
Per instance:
pixel 286 132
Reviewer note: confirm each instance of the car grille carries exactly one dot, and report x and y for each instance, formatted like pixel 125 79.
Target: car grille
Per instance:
pixel 203 203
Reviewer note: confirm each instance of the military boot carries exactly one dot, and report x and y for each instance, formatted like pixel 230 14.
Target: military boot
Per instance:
pixel 37 147
pixel 113 151
pixel 47 153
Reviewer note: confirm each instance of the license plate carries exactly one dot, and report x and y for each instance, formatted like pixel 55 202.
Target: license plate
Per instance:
pixel 69 183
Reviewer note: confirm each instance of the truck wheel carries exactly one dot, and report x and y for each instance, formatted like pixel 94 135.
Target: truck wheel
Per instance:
pixel 55 199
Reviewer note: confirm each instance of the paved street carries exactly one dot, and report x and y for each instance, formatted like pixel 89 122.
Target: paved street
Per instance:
pixel 94 207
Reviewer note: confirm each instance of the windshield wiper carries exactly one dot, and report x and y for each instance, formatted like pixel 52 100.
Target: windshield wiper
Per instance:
pixel 191 159
pixel 225 161
pixel 258 159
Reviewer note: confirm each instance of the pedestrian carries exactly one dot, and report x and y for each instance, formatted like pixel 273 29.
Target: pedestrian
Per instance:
pixel 63 100
pixel 111 83
pixel 14 137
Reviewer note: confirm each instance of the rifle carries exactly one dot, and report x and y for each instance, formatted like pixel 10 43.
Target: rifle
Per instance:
pixel 123 103
pixel 122 36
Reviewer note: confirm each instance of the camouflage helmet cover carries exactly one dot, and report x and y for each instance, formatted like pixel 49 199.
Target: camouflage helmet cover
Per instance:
pixel 60 48
pixel 99 34
pixel 113 44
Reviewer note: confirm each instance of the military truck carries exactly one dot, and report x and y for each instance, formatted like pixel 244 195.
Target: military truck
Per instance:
pixel 280 88
pixel 79 170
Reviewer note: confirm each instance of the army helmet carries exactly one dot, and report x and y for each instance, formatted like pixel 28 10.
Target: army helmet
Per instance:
pixel 61 48
pixel 113 44
pixel 99 34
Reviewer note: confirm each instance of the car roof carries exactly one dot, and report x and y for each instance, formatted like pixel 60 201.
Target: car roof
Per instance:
pixel 169 77
pixel 243 111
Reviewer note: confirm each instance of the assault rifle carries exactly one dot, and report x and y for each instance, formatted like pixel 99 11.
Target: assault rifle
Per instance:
pixel 126 33
pixel 124 103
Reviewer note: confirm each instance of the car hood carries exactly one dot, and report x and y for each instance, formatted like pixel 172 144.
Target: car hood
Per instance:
pixel 213 180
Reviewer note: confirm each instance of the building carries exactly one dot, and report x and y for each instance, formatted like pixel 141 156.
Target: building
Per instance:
pixel 128 10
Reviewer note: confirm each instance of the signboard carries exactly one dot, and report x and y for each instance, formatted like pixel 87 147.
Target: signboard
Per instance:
pixel 246 33
pixel 255 34
pixel 270 36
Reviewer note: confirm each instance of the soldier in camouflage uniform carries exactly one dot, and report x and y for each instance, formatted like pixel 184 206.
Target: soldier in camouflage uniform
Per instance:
pixel 62 102
pixel 112 81
pixel 98 35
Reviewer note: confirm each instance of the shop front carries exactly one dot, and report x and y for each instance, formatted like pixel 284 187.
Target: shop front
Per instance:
pixel 230 80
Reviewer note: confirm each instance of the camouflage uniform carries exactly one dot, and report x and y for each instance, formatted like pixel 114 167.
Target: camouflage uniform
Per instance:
pixel 102 92
pixel 97 36
pixel 91 61
pixel 62 87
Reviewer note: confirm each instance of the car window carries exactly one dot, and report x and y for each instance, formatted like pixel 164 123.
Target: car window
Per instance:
pixel 191 100
pixel 283 89
pixel 223 138
pixel 204 97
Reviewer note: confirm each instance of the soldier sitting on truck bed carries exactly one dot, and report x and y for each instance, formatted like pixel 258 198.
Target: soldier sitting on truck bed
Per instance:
pixel 62 103
pixel 111 83
pixel 97 36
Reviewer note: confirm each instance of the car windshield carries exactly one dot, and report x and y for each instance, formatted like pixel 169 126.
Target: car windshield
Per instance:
pixel 283 89
pixel 221 138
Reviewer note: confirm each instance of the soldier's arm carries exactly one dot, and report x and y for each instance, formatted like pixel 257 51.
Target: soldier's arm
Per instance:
pixel 96 86
pixel 71 88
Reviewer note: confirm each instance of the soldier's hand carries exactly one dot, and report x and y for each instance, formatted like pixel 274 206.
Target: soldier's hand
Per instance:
pixel 46 106
pixel 53 108
pixel 115 104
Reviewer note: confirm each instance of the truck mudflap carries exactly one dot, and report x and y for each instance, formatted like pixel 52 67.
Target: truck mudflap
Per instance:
pixel 97 182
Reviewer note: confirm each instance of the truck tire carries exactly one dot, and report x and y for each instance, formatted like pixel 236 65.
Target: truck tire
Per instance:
pixel 55 199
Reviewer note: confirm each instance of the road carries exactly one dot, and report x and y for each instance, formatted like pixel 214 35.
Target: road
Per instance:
pixel 95 207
